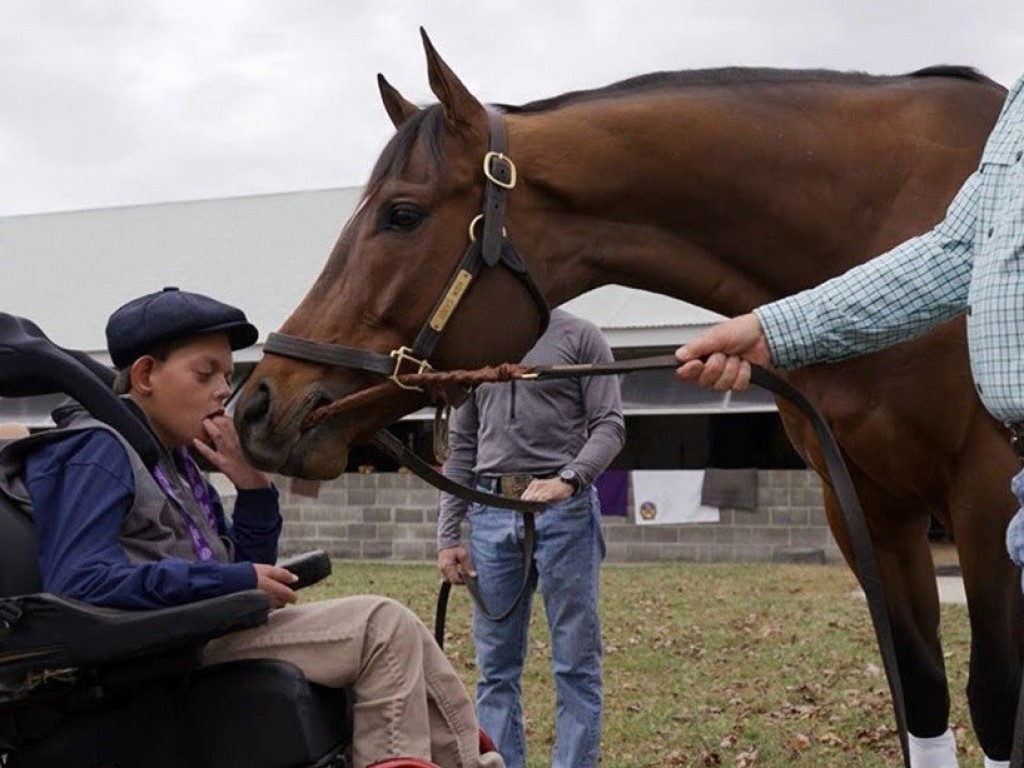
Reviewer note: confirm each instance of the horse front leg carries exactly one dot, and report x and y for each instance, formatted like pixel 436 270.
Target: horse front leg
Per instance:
pixel 980 508
pixel 908 578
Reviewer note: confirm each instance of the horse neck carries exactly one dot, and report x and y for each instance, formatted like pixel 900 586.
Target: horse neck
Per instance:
pixel 673 194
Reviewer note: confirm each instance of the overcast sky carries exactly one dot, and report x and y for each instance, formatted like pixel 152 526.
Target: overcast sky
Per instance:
pixel 119 102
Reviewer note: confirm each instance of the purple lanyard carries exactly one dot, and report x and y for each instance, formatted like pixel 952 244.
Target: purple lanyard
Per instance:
pixel 201 494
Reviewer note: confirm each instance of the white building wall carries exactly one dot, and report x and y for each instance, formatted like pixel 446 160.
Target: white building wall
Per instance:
pixel 67 271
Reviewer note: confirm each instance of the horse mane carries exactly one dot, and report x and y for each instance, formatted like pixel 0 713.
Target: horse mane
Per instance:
pixel 428 122
pixel 951 70
pixel 687 78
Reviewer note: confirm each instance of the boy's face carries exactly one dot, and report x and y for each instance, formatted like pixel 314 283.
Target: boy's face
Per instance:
pixel 192 384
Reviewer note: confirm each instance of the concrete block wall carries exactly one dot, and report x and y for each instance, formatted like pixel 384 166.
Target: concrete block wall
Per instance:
pixel 380 516
pixel 789 522
pixel 392 516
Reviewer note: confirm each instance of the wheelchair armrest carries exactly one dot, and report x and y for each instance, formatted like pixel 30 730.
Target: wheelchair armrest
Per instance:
pixel 310 567
pixel 43 631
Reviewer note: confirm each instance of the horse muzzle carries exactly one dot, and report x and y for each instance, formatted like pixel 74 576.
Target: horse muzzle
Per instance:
pixel 274 439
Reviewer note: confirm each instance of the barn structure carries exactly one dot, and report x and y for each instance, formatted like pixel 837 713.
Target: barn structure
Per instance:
pixel 68 270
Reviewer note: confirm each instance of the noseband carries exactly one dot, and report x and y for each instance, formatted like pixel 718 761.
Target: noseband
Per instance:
pixel 490 249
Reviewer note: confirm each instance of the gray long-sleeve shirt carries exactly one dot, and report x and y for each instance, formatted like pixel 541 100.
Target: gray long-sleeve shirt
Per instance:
pixel 537 427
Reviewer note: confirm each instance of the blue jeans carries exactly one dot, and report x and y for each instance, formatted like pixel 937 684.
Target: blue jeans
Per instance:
pixel 567 561
pixel 1015 530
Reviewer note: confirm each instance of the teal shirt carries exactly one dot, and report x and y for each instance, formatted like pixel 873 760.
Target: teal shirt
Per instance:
pixel 970 262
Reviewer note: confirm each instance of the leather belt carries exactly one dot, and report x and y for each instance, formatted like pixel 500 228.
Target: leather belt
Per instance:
pixel 512 485
pixel 1017 437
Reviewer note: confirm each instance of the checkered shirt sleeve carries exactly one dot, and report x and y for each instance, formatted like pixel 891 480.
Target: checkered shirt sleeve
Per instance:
pixel 971 261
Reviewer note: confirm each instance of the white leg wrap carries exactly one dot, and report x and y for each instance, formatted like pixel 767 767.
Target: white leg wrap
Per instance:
pixel 990 763
pixel 935 752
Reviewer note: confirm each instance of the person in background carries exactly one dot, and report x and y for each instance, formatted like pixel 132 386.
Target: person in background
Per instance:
pixel 544 441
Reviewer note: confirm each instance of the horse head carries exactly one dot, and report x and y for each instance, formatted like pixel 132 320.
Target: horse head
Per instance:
pixel 394 277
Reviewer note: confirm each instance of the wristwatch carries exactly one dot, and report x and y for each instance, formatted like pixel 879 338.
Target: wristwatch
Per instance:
pixel 569 476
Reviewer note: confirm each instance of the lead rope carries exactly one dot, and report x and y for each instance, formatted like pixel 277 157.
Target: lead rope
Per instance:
pixel 842 486
pixel 435 382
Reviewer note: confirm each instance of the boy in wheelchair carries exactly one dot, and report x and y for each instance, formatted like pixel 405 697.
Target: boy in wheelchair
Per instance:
pixel 112 533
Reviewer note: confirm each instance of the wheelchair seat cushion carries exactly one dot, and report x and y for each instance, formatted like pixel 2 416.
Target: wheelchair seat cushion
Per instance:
pixel 265 713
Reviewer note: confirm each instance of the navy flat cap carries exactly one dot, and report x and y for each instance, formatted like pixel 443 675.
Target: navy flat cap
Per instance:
pixel 142 324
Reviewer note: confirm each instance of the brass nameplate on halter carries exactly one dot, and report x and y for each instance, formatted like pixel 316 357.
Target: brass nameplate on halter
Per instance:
pixel 451 300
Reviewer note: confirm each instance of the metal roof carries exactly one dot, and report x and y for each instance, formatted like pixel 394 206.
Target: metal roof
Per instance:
pixel 67 271
pixel 634 318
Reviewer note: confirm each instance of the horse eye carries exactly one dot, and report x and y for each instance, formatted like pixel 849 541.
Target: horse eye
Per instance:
pixel 402 217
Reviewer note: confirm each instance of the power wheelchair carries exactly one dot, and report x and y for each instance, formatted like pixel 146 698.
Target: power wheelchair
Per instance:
pixel 89 687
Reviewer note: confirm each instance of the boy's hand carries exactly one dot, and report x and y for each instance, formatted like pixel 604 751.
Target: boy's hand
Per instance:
pixel 224 451
pixel 274 581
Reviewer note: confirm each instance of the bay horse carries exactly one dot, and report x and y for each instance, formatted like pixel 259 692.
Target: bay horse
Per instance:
pixel 726 188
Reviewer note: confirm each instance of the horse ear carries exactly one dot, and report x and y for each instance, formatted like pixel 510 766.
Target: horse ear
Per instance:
pixel 460 106
pixel 399 108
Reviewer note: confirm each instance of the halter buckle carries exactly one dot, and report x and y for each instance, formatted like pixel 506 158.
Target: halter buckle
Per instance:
pixel 500 157
pixel 472 228
pixel 403 355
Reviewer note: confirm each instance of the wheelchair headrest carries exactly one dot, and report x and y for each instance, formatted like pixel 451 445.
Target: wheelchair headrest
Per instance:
pixel 31 364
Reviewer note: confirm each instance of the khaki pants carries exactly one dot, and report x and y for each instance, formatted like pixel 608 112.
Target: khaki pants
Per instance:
pixel 408 700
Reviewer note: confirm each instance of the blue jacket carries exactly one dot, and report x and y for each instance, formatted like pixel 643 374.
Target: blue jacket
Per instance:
pixel 83 488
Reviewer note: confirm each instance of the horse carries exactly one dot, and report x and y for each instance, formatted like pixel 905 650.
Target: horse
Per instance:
pixel 726 188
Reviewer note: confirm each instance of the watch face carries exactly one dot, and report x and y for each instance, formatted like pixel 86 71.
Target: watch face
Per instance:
pixel 570 477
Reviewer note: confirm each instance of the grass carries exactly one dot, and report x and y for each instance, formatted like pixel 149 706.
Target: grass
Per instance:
pixel 710 665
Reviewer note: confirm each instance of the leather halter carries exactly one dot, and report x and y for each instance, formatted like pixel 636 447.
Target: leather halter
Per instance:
pixel 490 249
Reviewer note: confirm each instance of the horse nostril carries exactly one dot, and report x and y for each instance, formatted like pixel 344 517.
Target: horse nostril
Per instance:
pixel 257 406
pixel 319 400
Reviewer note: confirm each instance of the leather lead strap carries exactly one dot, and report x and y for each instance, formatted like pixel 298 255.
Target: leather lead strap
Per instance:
pixel 842 485
pixel 473 586
pixel 860 540
pixel 394 448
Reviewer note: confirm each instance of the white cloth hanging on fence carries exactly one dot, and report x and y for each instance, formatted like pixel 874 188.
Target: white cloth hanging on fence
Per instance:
pixel 663 496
